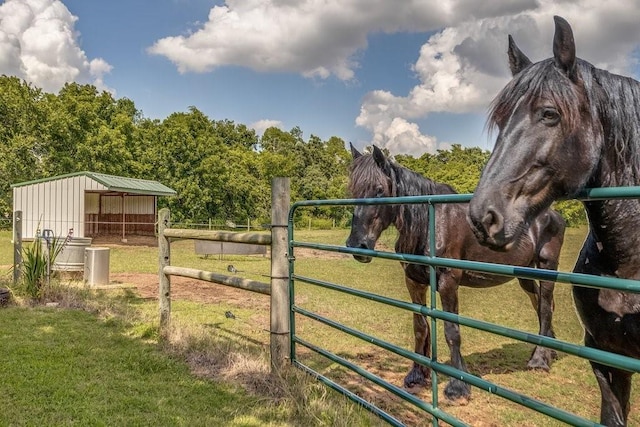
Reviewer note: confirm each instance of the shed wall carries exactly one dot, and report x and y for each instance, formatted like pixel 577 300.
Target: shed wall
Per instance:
pixel 57 205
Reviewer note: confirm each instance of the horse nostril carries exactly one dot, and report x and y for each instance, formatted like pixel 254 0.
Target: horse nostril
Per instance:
pixel 493 223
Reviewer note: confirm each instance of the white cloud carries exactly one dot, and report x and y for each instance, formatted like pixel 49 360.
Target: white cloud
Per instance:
pixel 403 137
pixel 316 38
pixel 261 125
pixel 39 44
pixel 460 68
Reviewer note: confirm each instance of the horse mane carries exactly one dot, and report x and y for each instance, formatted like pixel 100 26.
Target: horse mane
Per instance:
pixel 540 79
pixel 611 100
pixel 411 220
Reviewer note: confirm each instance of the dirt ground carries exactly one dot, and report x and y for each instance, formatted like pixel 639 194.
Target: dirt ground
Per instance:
pixel 185 288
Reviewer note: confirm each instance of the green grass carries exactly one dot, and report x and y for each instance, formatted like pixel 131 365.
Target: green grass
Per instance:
pixel 63 367
pixel 570 385
pixel 99 362
pixel 127 325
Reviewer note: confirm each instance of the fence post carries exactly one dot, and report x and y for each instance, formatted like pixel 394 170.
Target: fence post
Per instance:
pixel 164 259
pixel 280 321
pixel 17 246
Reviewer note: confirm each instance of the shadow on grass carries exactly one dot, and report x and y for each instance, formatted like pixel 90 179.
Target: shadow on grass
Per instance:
pixel 236 334
pixel 508 358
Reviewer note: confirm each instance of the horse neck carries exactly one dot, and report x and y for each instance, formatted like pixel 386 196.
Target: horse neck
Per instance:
pixel 412 221
pixel 614 223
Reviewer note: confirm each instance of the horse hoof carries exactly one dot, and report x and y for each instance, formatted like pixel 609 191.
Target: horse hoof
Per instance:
pixel 457 392
pixel 538 366
pixel 541 360
pixel 415 378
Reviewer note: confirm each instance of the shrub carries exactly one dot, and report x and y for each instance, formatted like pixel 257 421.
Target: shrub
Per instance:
pixel 36 268
pixel 572 211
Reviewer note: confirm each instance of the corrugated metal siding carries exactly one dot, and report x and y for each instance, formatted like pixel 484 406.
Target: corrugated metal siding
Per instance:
pixel 91 203
pixel 57 205
pixel 140 205
pixel 112 204
pixel 76 202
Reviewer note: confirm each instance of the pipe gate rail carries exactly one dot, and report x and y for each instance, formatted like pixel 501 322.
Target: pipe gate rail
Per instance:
pixel 435 314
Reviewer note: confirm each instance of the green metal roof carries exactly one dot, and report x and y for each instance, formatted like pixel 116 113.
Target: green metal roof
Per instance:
pixel 114 183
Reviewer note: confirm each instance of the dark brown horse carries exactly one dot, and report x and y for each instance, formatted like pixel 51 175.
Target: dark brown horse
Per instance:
pixel 565 125
pixel 373 175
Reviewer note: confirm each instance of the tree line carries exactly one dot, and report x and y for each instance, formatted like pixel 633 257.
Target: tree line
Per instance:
pixel 219 169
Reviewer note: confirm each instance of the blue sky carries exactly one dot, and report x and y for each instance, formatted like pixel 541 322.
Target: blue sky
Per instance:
pixel 409 76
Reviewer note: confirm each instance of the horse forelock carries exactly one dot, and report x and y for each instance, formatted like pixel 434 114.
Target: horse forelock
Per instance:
pixel 365 176
pixel 612 102
pixel 538 81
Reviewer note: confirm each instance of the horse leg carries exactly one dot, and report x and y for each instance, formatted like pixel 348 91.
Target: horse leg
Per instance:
pixel 448 289
pixel 615 390
pixel 542 301
pixel 419 375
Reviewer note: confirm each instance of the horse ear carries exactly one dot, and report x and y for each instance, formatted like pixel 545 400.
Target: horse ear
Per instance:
pixel 518 61
pixel 354 153
pixel 564 47
pixel 379 157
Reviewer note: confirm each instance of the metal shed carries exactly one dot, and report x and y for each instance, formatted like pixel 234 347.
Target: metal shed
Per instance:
pixel 90 204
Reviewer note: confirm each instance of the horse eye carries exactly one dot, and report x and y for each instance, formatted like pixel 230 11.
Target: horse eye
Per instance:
pixel 379 192
pixel 550 116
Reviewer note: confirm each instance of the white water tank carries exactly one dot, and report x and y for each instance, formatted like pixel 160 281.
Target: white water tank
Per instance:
pixel 96 266
pixel 71 257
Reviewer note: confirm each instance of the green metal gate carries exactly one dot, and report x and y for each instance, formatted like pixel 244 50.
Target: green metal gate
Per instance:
pixel 434 314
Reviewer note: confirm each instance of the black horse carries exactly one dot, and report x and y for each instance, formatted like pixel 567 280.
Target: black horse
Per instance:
pixel 373 175
pixel 565 125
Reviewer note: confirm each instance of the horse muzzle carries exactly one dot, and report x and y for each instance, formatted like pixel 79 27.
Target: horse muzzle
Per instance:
pixel 362 258
pixel 488 225
pixel 357 257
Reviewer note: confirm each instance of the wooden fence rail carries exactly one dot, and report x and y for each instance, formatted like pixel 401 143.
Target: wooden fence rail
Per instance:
pixel 278 288
pixel 219 236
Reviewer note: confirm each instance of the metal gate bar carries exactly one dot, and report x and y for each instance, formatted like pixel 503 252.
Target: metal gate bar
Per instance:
pixel 434 314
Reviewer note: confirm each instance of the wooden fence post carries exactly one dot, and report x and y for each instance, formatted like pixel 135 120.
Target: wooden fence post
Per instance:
pixel 280 320
pixel 164 259
pixel 17 246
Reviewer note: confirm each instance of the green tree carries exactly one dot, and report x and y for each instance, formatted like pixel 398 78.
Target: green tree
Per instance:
pixel 89 130
pixel 459 167
pixel 232 134
pixel 191 159
pixel 22 127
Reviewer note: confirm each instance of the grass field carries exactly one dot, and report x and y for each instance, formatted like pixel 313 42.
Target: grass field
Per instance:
pixel 129 353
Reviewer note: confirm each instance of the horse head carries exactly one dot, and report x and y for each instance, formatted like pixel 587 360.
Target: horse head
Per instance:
pixel 548 142
pixel 371 176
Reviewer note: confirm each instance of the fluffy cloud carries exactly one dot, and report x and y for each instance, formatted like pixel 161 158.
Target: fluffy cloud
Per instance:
pixel 401 136
pixel 39 44
pixel 317 38
pixel 460 69
pixel 312 37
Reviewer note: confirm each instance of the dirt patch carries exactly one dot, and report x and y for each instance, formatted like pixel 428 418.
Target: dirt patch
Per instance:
pixel 185 288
